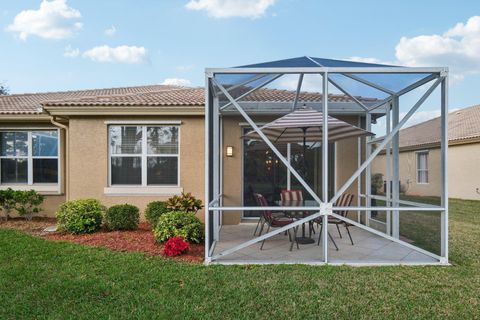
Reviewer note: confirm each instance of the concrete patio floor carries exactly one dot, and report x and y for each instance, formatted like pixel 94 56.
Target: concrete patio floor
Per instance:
pixel 367 248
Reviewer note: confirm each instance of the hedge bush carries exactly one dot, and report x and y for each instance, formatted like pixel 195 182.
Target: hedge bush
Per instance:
pixel 154 210
pixel 122 217
pixel 80 216
pixel 179 223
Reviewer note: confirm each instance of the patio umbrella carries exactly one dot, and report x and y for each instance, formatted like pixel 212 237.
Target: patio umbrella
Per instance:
pixel 306 124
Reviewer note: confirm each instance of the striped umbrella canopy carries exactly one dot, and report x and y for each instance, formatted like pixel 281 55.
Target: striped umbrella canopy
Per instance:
pixel 306 124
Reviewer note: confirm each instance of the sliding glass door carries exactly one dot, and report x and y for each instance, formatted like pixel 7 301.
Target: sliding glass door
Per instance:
pixel 264 173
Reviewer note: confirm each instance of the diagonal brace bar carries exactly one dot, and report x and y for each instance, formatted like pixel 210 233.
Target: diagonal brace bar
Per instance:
pixel 268 142
pixel 381 234
pixel 387 139
pixel 268 235
pixel 368 83
pixel 263 84
pixel 339 87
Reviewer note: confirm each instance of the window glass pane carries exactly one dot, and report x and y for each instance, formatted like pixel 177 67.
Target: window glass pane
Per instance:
pixel 45 143
pixel 162 140
pixel 45 170
pixel 14 170
pixel 162 170
pixel 126 170
pixel 14 143
pixel 125 139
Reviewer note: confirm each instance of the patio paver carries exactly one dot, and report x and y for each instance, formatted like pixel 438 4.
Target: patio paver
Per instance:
pixel 367 247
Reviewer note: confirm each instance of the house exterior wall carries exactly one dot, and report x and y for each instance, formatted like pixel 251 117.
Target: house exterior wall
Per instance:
pixel 88 172
pixel 463 171
pixel 88 169
pixel 408 172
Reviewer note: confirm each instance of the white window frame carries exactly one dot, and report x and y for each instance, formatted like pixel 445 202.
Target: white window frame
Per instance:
pixel 143 155
pixel 418 154
pixel 46 186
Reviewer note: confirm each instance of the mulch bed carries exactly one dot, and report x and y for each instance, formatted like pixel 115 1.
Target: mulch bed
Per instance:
pixel 34 226
pixel 141 240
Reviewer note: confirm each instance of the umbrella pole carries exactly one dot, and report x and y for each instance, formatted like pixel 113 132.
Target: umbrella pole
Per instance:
pixel 304 239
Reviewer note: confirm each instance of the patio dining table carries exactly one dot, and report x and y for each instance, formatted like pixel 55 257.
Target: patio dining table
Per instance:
pixel 304 239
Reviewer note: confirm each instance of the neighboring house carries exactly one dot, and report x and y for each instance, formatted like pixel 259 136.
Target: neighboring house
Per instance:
pixel 140 144
pixel 420 158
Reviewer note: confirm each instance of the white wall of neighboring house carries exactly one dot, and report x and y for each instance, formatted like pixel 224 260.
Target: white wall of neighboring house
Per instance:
pixel 463 171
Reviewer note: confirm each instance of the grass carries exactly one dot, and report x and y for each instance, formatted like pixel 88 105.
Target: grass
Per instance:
pixel 57 280
pixel 420 228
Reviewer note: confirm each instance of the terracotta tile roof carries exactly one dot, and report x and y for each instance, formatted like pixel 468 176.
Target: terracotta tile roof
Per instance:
pixel 154 95
pixel 31 103
pixel 463 124
pixel 275 95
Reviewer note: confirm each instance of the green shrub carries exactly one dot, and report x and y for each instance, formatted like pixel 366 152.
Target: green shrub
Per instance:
pixel 7 201
pixel 122 217
pixel 179 223
pixel 186 203
pixel 80 216
pixel 154 210
pixel 27 202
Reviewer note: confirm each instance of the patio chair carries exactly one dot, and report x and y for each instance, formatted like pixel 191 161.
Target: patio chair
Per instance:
pixel 274 221
pixel 295 195
pixel 261 220
pixel 345 200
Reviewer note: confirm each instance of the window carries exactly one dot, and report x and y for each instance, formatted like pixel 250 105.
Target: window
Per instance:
pixel 143 155
pixel 422 167
pixel 29 157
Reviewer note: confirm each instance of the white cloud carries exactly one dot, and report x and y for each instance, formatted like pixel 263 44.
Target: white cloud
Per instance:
pixel 71 52
pixel 53 20
pixel 458 48
pixel 110 31
pixel 176 82
pixel 120 54
pixel 231 8
pixel 370 60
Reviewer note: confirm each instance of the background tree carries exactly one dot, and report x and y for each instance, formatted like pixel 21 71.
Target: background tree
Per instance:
pixel 3 89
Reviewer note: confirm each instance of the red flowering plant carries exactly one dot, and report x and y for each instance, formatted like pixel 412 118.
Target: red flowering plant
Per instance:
pixel 175 246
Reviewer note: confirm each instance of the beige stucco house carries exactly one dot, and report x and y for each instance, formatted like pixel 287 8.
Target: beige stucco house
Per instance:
pixel 140 144
pixel 420 159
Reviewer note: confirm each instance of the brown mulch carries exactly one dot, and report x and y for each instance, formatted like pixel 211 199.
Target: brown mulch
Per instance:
pixel 34 226
pixel 141 240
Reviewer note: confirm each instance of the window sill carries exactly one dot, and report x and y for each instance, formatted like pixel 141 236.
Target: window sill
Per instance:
pixel 142 191
pixel 42 189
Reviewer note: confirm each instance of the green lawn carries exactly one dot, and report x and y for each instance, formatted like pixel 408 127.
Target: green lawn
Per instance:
pixel 42 279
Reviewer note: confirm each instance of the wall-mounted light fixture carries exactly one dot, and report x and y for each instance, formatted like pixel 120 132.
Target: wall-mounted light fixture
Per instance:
pixel 229 152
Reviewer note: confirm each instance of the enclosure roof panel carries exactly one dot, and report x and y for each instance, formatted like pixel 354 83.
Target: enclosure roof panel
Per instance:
pixel 307 62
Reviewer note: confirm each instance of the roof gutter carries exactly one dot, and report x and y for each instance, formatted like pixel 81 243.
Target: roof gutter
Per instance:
pixel 124 110
pixel 66 177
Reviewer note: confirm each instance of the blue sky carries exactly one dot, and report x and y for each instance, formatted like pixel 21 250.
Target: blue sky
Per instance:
pixel 65 44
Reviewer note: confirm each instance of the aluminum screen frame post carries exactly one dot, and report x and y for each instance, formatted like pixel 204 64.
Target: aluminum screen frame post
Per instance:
pixel 368 171
pixel 388 110
pixel 207 166
pixel 444 166
pixel 325 166
pixel 395 168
